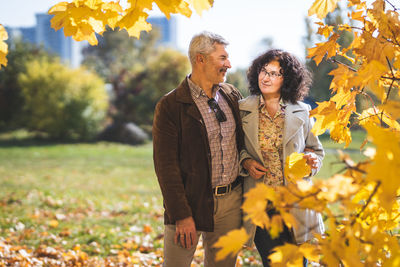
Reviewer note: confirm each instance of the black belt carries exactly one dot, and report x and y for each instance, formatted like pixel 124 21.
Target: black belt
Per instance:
pixel 221 190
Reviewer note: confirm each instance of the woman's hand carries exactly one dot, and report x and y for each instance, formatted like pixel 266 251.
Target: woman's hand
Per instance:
pixel 311 160
pixel 255 169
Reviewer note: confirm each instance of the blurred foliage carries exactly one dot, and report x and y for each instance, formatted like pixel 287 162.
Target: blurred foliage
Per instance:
pixel 238 79
pixel 59 101
pixel 140 73
pixel 11 100
pixel 321 80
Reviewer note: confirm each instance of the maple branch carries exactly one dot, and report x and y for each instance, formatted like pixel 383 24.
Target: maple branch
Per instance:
pixel 393 6
pixel 391 85
pixel 334 60
pixel 367 203
pixel 390 78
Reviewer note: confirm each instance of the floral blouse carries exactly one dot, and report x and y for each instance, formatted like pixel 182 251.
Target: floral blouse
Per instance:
pixel 270 135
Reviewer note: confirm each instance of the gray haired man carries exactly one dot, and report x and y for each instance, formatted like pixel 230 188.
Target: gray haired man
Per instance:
pixel 197 134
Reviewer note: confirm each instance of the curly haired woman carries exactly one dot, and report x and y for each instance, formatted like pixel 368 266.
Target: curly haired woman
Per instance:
pixel 276 123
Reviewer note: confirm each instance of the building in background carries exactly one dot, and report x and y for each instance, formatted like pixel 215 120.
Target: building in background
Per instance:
pixel 69 50
pixel 167 28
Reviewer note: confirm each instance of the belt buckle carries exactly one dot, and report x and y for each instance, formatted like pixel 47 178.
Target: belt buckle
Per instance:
pixel 228 189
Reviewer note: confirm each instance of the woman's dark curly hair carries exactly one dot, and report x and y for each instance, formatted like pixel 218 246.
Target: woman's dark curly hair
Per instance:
pixel 296 77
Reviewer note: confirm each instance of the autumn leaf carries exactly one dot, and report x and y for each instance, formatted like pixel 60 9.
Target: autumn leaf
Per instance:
pixel 322 7
pixel 288 255
pixel 325 114
pixel 3 46
pixel 386 166
pixel 337 186
pixel 321 50
pixel 83 19
pixel 201 5
pixel 53 223
pixel 174 7
pixel 310 252
pixel 255 204
pixel 230 243
pixel 374 115
pixel 296 167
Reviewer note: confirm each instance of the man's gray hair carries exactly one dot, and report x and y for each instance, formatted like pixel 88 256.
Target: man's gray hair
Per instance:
pixel 203 43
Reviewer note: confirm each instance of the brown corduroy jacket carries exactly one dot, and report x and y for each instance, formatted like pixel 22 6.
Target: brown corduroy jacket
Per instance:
pixel 182 157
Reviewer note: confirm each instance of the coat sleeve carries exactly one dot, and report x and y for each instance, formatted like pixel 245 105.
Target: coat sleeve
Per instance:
pixel 166 162
pixel 313 142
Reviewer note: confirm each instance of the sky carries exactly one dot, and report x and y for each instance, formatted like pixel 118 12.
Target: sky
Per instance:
pixel 243 23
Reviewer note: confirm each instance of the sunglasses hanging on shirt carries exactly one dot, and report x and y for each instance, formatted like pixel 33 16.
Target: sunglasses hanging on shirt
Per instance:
pixel 219 114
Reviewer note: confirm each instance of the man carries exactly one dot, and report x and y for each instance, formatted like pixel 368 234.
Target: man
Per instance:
pixel 197 133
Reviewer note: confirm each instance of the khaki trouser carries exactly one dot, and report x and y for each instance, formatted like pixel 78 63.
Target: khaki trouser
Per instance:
pixel 227 216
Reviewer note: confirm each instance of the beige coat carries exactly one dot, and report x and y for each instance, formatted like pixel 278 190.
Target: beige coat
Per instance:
pixel 296 136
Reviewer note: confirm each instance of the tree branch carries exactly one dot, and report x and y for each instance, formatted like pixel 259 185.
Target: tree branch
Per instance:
pixel 368 201
pixel 334 60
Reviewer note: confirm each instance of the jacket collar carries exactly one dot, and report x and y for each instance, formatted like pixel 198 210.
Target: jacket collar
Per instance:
pixel 251 104
pixel 183 93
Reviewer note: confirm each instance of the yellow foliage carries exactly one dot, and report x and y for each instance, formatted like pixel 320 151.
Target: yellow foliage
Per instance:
pixel 322 7
pixel 3 46
pixel 230 243
pixel 325 115
pixel 328 48
pixel 288 255
pixel 83 19
pixel 296 167
pixel 255 204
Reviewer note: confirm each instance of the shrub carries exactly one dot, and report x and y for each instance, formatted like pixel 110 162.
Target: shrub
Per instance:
pixel 62 102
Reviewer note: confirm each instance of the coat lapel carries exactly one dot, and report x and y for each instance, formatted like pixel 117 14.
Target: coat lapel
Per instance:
pixel 293 122
pixel 183 95
pixel 249 108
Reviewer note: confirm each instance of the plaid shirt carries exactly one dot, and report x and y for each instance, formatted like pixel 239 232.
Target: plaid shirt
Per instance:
pixel 221 136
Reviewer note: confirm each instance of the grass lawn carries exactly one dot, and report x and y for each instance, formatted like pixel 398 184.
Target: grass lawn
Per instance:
pixel 96 200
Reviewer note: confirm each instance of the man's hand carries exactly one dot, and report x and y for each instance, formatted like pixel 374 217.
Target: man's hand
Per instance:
pixel 255 169
pixel 311 161
pixel 186 232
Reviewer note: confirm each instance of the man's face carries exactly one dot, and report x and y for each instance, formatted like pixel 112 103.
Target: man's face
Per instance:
pixel 217 64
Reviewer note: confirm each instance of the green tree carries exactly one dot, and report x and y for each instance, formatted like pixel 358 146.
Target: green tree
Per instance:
pixel 61 102
pixel 239 80
pixel 140 73
pixel 11 100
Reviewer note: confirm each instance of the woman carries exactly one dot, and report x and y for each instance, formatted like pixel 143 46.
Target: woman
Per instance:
pixel 277 124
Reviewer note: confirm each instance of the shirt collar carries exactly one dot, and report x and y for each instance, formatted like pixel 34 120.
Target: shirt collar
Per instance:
pixel 197 91
pixel 262 103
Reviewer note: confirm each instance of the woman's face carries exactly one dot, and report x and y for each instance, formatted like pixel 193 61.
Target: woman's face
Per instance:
pixel 270 79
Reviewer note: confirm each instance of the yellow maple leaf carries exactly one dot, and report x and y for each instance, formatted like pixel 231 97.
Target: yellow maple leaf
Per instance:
pixel 374 115
pixel 386 165
pixel 231 243
pixel 201 5
pixel 174 7
pixel 374 48
pixel 326 48
pixel 392 107
pixel 310 252
pixel 255 204
pixel 324 30
pixel 322 7
pixel 288 255
pixel 358 15
pixel 134 22
pixel 296 167
pixel 341 134
pixel 338 185
pixel 325 115
pixel 276 226
pixel 341 76
pixel 3 46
